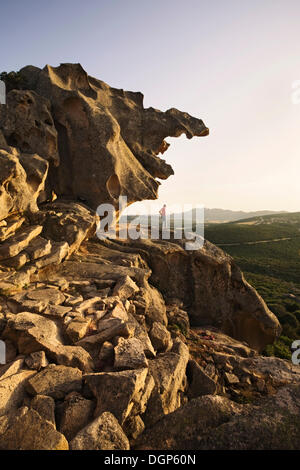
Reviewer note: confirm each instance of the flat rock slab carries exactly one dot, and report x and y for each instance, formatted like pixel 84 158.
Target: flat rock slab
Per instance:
pixel 39 247
pixel 16 262
pixel 55 381
pixel 16 244
pixel 89 304
pixel 72 270
pixel 125 288
pixel 231 378
pixel 115 328
pixel 72 300
pixel 72 356
pixel 29 431
pixel 124 387
pixel 10 228
pixel 129 354
pixel 57 310
pixel 104 433
pixel 11 368
pixel 32 332
pixel 59 251
pixel 13 281
pixel 51 296
pixel 12 390
pixel 21 303
pixel 106 324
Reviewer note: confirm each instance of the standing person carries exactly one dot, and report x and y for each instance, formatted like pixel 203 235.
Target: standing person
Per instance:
pixel 162 213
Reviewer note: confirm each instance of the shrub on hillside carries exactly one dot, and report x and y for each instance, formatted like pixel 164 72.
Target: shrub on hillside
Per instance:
pixel 291 306
pixel 281 348
pixel 13 81
pixel 290 319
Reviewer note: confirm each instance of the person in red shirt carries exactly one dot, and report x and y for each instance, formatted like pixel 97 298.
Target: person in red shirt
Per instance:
pixel 163 215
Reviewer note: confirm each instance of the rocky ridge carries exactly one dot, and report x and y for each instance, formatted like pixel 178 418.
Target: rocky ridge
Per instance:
pixel 119 344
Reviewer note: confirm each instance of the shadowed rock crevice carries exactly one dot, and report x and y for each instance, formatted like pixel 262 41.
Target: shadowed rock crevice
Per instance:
pixel 58 178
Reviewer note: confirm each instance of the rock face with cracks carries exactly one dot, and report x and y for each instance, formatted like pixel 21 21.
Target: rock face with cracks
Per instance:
pixel 111 344
pixel 211 287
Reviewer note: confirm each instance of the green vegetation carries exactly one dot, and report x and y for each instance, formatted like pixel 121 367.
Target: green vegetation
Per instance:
pixel 13 81
pixel 238 233
pixel 273 268
pixel 175 326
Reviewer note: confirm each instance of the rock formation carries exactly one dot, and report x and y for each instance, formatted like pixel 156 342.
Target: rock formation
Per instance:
pixel 101 140
pixel 120 344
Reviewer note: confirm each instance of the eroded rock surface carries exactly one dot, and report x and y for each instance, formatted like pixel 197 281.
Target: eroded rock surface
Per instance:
pixel 104 433
pixel 214 422
pixel 27 430
pixel 98 343
pixel 211 287
pixel 91 119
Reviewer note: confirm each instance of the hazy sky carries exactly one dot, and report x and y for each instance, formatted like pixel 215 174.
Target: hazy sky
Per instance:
pixel 231 63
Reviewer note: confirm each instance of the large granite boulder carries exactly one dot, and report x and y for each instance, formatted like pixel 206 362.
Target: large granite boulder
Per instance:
pixel 216 423
pixel 27 124
pixel 107 141
pixel 27 430
pixel 104 433
pixel 211 287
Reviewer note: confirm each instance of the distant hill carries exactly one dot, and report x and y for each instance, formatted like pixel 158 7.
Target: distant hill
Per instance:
pixel 216 215
pixel 225 215
pixel 274 218
pixel 255 229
